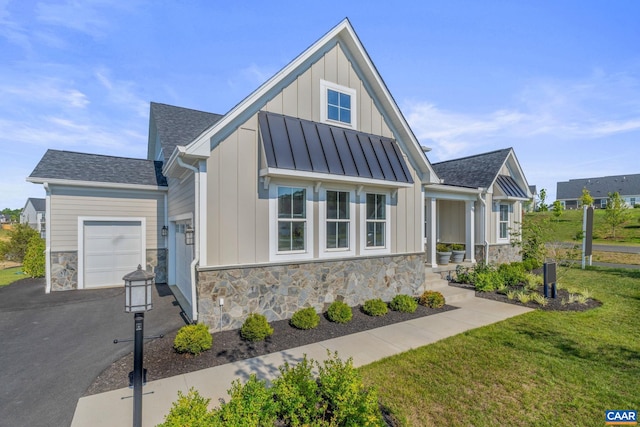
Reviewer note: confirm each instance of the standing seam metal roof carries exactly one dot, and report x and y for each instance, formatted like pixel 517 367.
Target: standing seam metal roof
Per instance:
pixel 509 187
pixel 303 145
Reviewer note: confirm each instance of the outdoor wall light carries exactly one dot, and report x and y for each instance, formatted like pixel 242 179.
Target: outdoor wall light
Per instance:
pixel 189 235
pixel 165 231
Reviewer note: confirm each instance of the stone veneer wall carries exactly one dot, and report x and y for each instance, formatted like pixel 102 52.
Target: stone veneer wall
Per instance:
pixel 499 254
pixel 278 291
pixel 64 268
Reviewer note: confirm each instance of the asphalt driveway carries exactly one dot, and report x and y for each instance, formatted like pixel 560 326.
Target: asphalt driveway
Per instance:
pixel 52 346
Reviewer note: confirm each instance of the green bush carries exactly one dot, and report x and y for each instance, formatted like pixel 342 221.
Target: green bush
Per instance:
pixel 404 303
pixel 251 404
pixel 296 394
pixel 512 274
pixel 33 264
pixel 532 281
pixel 463 275
pixel 530 264
pixel 193 339
pixel 488 281
pixel 442 247
pixel 339 312
pixel 190 410
pixel 375 307
pixel 305 318
pixel 457 247
pixel 432 299
pixel 256 328
pixel 16 248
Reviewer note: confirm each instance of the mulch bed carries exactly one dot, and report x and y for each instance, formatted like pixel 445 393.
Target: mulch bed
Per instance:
pixel 161 361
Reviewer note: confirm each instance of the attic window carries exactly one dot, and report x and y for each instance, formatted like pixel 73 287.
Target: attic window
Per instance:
pixel 338 104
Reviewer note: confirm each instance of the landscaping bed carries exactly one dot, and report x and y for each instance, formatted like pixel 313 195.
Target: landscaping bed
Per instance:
pixel 162 361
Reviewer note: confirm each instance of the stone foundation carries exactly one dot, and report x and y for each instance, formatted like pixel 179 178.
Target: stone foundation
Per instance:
pixel 278 291
pixel 64 270
pixel 499 254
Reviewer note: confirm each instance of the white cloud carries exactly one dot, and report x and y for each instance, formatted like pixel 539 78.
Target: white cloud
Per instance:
pixel 122 93
pixel 48 91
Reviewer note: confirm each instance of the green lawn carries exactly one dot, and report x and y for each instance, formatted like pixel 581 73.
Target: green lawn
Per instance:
pixel 538 369
pixel 10 275
pixel 570 223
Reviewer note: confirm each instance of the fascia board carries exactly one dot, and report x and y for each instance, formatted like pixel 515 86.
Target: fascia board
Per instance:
pixel 321 177
pixel 440 188
pixel 114 185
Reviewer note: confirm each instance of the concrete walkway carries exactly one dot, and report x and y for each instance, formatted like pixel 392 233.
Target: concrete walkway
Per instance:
pixel 115 408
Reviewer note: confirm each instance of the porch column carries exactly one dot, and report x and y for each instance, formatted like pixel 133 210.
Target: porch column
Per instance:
pixel 433 218
pixel 470 230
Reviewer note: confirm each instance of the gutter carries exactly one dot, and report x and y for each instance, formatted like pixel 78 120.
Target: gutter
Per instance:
pixel 196 220
pixel 47 237
pixel 482 200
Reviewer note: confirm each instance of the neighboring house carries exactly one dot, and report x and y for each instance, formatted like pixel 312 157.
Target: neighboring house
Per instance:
pixel 628 186
pixel 33 214
pixel 5 219
pixel 310 190
pixel 531 206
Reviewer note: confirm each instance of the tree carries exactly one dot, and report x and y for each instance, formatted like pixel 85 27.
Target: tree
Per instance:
pixel 586 198
pixel 542 207
pixel 616 212
pixel 557 209
pixel 13 214
pixel 34 260
pixel 16 247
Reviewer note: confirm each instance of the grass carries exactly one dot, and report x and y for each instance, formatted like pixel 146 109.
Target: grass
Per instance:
pixel 570 223
pixel 10 275
pixel 538 369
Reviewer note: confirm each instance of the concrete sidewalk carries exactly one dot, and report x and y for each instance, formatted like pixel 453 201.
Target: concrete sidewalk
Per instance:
pixel 115 408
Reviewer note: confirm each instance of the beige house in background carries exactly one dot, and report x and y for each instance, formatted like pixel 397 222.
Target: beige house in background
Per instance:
pixel 312 189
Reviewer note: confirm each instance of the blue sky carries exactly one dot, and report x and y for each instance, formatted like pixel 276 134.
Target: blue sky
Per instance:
pixel 557 81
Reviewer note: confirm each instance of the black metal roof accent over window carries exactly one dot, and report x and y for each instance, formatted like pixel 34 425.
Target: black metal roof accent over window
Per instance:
pixel 509 187
pixel 303 145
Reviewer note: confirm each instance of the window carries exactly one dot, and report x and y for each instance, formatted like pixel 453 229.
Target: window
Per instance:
pixel 338 217
pixel 338 104
pixel 376 220
pixel 504 222
pixel 603 203
pixel 292 219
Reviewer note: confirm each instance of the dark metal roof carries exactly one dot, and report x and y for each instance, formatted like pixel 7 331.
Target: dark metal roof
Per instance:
pixel 477 171
pixel 303 145
pixel 625 185
pixel 509 187
pixel 69 165
pixel 533 190
pixel 40 205
pixel 179 126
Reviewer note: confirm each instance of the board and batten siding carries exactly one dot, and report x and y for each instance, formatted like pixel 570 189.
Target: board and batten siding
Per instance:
pixel 237 203
pixel 452 214
pixel 181 196
pixel 69 203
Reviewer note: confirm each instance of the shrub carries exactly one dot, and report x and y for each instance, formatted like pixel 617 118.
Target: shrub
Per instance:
pixel 532 281
pixel 457 247
pixel 296 394
pixel 193 339
pixel 432 299
pixel 404 303
pixel 488 281
pixel 190 410
pixel 305 318
pixel 512 274
pixel 531 264
pixel 442 247
pixel 34 260
pixel 339 312
pixel 256 328
pixel 375 307
pixel 463 275
pixel 16 248
pixel 251 404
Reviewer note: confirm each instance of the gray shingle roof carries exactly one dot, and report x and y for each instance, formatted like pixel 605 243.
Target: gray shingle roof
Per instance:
pixel 473 171
pixel 179 126
pixel 69 165
pixel 40 205
pixel 625 185
pixel 303 145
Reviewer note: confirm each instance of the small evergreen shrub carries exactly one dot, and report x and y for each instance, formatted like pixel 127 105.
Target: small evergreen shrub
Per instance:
pixel 34 261
pixel 193 339
pixel 375 307
pixel 190 410
pixel 432 299
pixel 532 281
pixel 305 318
pixel 256 328
pixel 296 394
pixel 531 264
pixel 404 303
pixel 442 247
pixel 512 274
pixel 251 404
pixel 339 312
pixel 488 281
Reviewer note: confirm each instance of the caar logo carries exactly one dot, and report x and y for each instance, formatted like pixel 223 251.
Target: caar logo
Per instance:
pixel 621 418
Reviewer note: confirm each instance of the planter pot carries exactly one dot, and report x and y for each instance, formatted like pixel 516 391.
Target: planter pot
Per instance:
pixel 457 256
pixel 443 257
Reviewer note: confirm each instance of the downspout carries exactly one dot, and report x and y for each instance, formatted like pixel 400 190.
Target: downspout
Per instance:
pixel 47 237
pixel 196 221
pixel 484 227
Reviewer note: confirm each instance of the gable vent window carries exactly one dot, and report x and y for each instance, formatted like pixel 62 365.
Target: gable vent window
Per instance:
pixel 338 104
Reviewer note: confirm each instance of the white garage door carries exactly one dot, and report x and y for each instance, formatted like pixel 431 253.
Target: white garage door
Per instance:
pixel 184 257
pixel 112 249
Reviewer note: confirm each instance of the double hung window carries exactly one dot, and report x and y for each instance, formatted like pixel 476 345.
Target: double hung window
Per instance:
pixel 338 220
pixel 292 219
pixel 376 220
pixel 504 222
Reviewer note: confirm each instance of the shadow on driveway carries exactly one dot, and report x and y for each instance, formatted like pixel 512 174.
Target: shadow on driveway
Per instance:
pixel 52 346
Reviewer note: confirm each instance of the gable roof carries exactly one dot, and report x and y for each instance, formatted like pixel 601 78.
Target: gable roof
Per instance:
pixel 178 126
pixel 39 205
pixel 510 187
pixel 303 145
pixel 477 171
pixel 344 35
pixel 625 185
pixel 68 166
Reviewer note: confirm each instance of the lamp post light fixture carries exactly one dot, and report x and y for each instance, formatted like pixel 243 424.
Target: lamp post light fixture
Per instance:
pixel 137 300
pixel 43 229
pixel 165 231
pixel 189 235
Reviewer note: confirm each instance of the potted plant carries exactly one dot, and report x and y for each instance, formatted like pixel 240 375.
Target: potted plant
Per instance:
pixel 458 252
pixel 444 254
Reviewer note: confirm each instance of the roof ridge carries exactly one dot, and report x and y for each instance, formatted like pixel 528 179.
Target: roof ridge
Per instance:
pixel 603 177
pixel 101 155
pixel 472 156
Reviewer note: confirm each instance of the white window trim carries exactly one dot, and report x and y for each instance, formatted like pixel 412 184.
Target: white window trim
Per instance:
pixel 498 221
pixel 274 254
pixel 364 250
pixel 322 225
pixel 324 85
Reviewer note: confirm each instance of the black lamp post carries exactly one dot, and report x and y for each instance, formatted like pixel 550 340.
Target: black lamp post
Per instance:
pixel 137 300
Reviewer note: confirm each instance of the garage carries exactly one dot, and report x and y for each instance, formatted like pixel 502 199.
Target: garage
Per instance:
pixel 112 249
pixel 183 259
